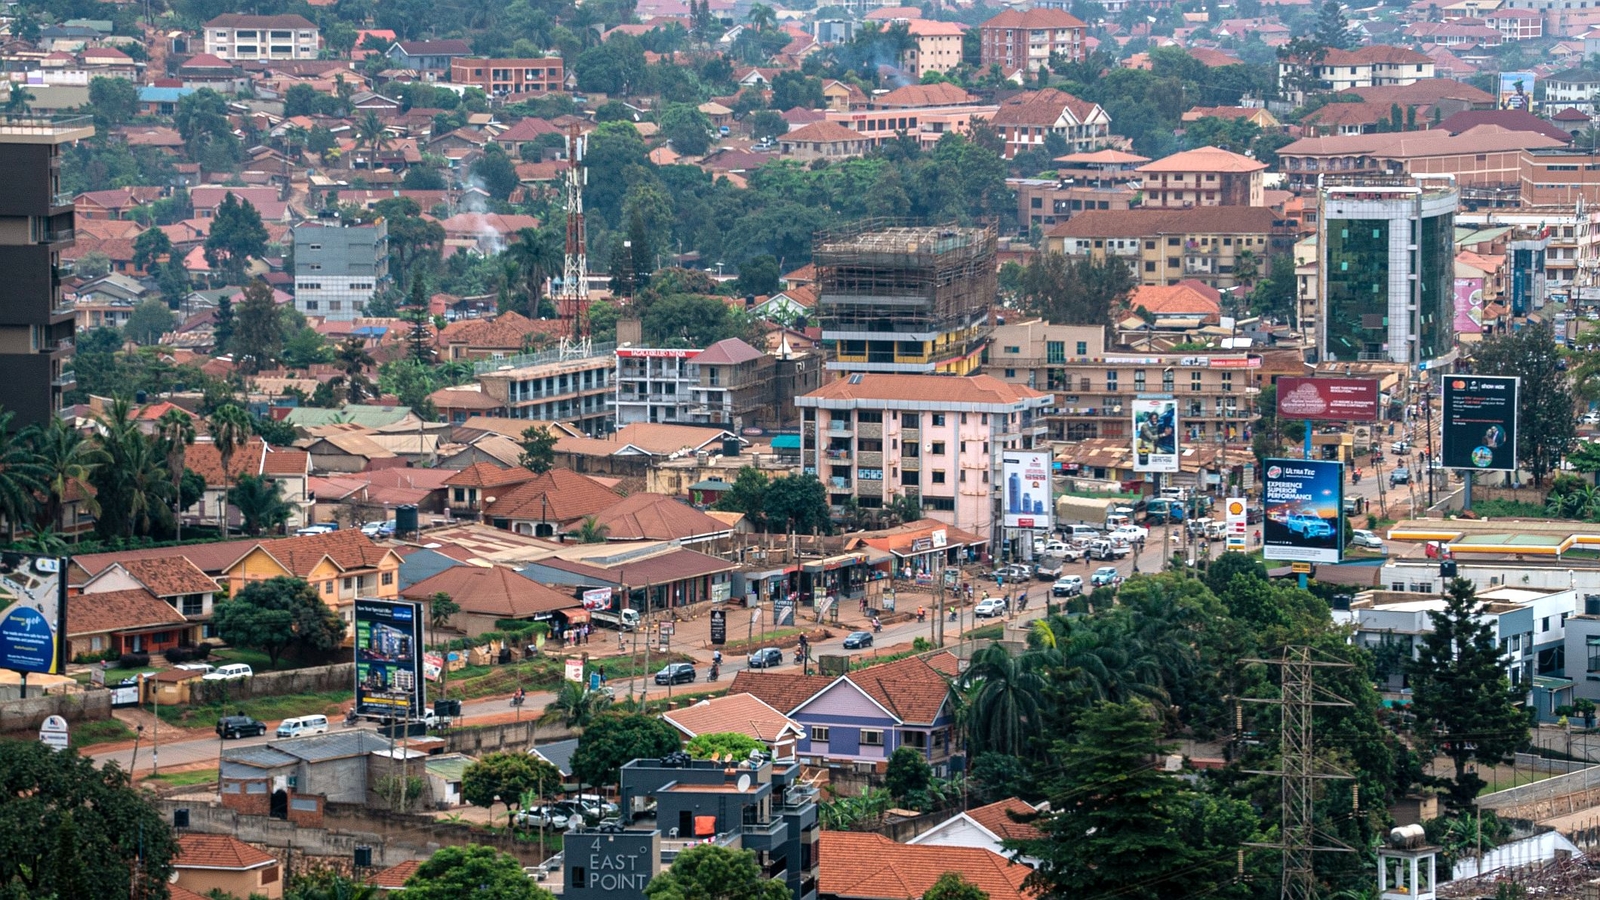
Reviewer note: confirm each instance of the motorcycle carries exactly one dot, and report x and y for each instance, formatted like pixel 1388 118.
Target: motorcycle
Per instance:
pixel 716 670
pixel 351 719
pixel 877 626
pixel 517 700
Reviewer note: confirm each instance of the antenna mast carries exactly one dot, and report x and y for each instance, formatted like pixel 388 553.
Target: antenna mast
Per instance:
pixel 574 301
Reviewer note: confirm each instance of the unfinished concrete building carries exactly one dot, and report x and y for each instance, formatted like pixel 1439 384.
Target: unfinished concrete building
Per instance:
pixel 898 298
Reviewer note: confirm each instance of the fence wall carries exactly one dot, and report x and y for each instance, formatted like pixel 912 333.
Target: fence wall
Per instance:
pixel 1557 795
pixel 30 713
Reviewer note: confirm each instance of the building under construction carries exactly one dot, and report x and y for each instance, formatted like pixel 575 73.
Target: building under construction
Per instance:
pixel 898 298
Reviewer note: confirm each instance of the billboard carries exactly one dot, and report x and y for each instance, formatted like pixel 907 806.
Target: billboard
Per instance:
pixel 1025 483
pixel 1516 90
pixel 1155 435
pixel 1479 427
pixel 389 658
pixel 1328 399
pixel 1236 524
pixel 33 597
pixel 1469 306
pixel 1304 501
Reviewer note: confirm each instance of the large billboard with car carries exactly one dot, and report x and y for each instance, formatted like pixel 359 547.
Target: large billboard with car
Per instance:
pixel 1304 500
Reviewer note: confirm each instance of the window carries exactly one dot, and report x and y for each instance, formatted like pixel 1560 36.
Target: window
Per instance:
pixel 327 587
pixel 819 733
pixel 871 737
pixel 936 448
pixel 1011 373
pixel 1593 645
pixel 388 578
pixel 1544 624
pixel 1083 348
pixel 918 739
pixel 580 877
pixel 938 420
pixel 938 476
pixel 349 583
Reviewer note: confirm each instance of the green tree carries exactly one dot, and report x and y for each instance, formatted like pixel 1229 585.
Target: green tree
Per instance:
pixel 747 495
pixel 495 172
pixel 710 872
pixel 257 329
pixel 577 705
pixel 131 486
pixel 1545 426
pixel 767 124
pixel 1333 29
pixel 1003 699
pixel 538 254
pixel 722 744
pixel 616 738
pixel 951 886
pixel 791 89
pixel 113 101
pixel 1075 292
pixel 688 320
pixel 908 774
pixel 63 457
pixel 175 429
pixel 475 871
pixel 75 829
pixel 759 275
pixel 1464 705
pixel 148 322
pixel 507 776
pixel 236 235
pixel 798 504
pixel 592 532
pixel 260 503
pixel 1120 826
pixel 230 429
pixel 150 246
pixel 353 360
pixel 276 615
pixel 538 449
pixel 687 128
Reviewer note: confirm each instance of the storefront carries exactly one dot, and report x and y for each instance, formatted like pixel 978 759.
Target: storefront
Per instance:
pixel 922 551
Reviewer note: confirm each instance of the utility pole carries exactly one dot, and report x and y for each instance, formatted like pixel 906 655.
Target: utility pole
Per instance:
pixel 1298 768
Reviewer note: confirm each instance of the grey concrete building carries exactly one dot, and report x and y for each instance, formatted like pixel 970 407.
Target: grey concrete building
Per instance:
pixel 339 265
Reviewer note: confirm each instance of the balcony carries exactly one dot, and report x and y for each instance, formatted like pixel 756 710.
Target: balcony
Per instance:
pixel 58 236
pixel 61 198
pixel 837 426
pixel 837 454
pixel 64 380
pixel 838 483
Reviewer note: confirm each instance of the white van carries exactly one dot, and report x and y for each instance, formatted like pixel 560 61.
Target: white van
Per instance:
pixel 302 726
pixel 1081 532
pixel 230 671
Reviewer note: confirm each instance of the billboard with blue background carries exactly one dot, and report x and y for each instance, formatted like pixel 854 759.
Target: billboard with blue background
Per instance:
pixel 33 600
pixel 1304 519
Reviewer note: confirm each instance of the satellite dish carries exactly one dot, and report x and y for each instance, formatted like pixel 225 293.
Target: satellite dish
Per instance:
pixel 173 878
pixel 743 783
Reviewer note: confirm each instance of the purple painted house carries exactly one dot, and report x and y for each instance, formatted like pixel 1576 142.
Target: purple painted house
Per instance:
pixel 861 718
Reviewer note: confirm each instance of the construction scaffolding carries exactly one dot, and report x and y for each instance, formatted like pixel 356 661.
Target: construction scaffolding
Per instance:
pixel 884 277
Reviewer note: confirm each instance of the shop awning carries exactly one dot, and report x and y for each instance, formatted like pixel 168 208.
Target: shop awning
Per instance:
pixel 835 562
pixel 575 615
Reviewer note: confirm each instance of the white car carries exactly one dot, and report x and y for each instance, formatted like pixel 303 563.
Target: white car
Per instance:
pixel 315 529
pixel 1067 586
pixel 229 672
pixel 1366 540
pixel 1591 418
pixel 1132 532
pixel 1055 548
pixel 989 608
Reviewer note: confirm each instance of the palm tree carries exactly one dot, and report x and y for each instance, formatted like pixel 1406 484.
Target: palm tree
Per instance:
pixel 176 430
pixel 1003 693
pixel 260 503
pixel 577 705
pixel 133 479
pixel 230 429
pixel 21 476
pixel 66 459
pixel 371 132
pixel 592 532
pixel 762 16
pixel 353 360
pixel 536 257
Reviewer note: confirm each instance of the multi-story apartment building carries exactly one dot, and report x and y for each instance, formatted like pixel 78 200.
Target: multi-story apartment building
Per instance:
pixel 431 58
pixel 730 384
pixel 238 36
pixel 1572 89
pixel 339 265
pixel 936 48
pixel 1486 159
pixel 1571 251
pixel 510 77
pixel 553 387
pixel 1341 70
pixel 1050 201
pixel 1094 387
pixel 1165 246
pixel 1516 24
pixel 36 226
pixel 1027 120
pixel 1387 270
pixel 875 436
pixel 905 299
pixel 1027 39
pixel 927 124
pixel 1207 176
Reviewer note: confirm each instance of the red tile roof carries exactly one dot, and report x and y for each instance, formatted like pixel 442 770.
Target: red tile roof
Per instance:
pixel 738 712
pixel 1035 18
pixel 487 474
pixel 220 851
pixel 394 877
pixel 1041 108
pixel 168 577
pixel 1204 159
pixel 783 691
pixel 909 688
pixel 1173 300
pixel 997 819
pixel 209 558
pixel 494 591
pixel 119 611
pixel 930 388
pixel 728 350
pixel 821 133
pixel 913 95
pixel 863 866
pixel 348 548
pixel 653 517
pixel 559 495
pixel 286 462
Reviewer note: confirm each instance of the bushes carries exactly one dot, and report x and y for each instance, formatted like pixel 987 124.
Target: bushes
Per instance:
pixel 133 660
pixel 187 654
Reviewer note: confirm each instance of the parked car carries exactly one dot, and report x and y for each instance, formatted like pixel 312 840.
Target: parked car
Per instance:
pixel 1132 533
pixel 675 673
pixel 1105 575
pixel 1401 447
pixel 1366 540
pixel 1049 570
pixel 988 609
pixel 856 640
pixel 1106 549
pixel 378 529
pixel 229 672
pixel 1590 418
pixel 1056 548
pixel 240 726
pixel 1401 475
pixel 302 726
pixel 1067 586
pixel 542 817
pixel 321 528
pixel 764 658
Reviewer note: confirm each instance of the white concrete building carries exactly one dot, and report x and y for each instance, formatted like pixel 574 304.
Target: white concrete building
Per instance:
pixel 237 36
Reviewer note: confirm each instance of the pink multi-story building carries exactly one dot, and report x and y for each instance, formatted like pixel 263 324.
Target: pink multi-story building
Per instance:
pixel 876 436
